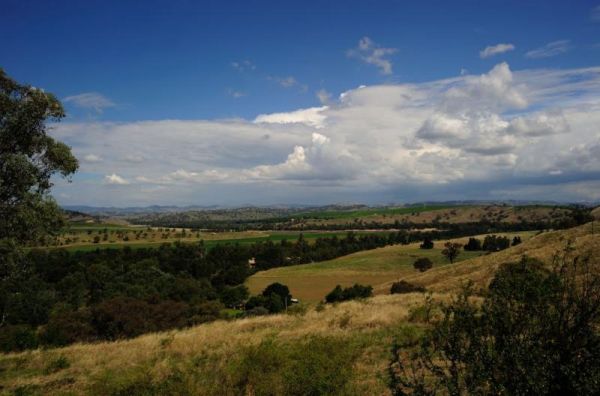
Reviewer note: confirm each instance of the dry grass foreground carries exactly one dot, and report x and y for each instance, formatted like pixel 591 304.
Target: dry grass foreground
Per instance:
pixel 377 267
pixel 218 358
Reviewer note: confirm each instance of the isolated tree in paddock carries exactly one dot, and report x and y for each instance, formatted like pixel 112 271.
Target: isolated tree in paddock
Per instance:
pixel 451 251
pixel 423 264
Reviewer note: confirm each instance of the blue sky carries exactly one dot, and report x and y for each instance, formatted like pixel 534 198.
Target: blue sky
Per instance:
pixel 131 71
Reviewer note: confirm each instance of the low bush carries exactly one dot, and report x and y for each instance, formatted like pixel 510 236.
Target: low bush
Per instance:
pixel 349 293
pixel 423 264
pixel 402 287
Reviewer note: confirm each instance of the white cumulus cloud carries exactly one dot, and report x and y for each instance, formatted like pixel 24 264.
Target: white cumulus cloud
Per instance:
pixel 432 140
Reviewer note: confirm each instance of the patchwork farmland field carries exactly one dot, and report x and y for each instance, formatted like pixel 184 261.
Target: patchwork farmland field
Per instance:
pixel 311 282
pixel 80 238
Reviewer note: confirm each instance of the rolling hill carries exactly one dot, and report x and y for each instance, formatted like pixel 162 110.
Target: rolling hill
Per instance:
pixel 378 267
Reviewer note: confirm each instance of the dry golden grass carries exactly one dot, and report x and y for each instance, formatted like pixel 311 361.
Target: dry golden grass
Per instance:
pixel 220 340
pixel 480 270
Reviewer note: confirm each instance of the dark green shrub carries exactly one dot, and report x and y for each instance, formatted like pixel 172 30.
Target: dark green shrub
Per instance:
pixel 65 327
pixel 427 244
pixel 349 293
pixel 401 287
pixel 17 338
pixel 423 264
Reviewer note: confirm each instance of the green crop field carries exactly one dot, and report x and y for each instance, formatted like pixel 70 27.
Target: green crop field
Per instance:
pixel 211 240
pixel 311 282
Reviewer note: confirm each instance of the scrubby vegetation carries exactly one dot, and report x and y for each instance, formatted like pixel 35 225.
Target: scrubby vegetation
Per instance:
pixel 536 332
pixel 402 287
pixel 349 293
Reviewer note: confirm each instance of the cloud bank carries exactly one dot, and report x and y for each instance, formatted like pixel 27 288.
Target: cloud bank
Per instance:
pixel 527 134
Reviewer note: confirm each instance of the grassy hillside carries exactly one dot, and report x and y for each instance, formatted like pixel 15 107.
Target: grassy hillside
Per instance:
pixel 378 267
pixel 480 270
pixel 440 213
pixel 348 348
pixel 343 348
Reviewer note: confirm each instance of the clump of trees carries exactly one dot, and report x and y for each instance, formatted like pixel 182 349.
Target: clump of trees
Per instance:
pixel 427 244
pixel 491 243
pixel 423 264
pixel 349 293
pixel 275 298
pixel 403 286
pixel 494 243
pixel 474 244
pixel 536 333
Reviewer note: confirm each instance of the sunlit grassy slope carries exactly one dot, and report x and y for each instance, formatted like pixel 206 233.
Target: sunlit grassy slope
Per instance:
pixel 583 241
pixel 378 268
pixel 345 347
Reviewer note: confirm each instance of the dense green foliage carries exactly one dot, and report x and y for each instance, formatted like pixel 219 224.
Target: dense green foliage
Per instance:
pixel 29 158
pixel 339 294
pixel 494 243
pixel 536 333
pixel 117 293
pixel 275 298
